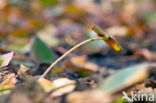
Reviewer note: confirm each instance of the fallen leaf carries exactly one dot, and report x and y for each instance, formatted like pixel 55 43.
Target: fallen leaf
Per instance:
pixel 65 86
pixel 29 92
pixel 5 59
pixel 20 33
pixel 22 69
pixel 80 64
pixel 22 72
pixel 10 80
pixel 147 54
pixel 59 86
pixel 18 46
pixel 125 78
pixel 8 83
pixel 47 85
pixel 57 70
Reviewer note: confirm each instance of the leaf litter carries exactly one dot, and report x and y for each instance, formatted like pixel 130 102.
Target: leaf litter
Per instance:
pixel 100 75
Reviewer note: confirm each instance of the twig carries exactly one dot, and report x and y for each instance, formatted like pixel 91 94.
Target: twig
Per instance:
pixel 68 52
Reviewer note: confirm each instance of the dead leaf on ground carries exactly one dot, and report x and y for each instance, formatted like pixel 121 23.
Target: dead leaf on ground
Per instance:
pixel 80 64
pixel 5 59
pixel 29 92
pixel 8 83
pixel 147 54
pixel 125 78
pixel 66 86
pixel 22 72
pixel 47 85
pixel 58 87
pixel 18 45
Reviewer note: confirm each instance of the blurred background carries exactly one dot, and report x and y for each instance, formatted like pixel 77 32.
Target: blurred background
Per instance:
pixel 40 31
pixel 61 24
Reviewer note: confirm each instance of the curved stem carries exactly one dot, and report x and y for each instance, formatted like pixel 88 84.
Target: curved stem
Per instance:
pixel 68 52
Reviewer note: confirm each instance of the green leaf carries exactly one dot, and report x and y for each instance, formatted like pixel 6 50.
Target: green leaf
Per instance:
pixel 41 52
pixel 125 78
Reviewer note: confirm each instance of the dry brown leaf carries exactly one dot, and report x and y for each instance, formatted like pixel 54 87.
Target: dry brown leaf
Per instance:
pixel 80 64
pixel 58 87
pixel 22 72
pixel 8 83
pixel 10 80
pixel 47 85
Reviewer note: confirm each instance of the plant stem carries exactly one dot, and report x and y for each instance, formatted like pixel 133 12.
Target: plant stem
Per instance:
pixel 68 52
